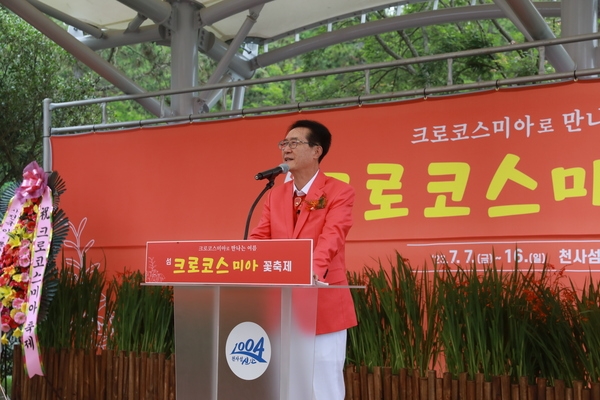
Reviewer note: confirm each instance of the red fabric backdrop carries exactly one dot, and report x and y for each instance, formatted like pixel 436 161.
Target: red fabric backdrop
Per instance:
pixel 514 172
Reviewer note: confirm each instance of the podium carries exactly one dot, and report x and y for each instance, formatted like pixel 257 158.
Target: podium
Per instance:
pixel 245 315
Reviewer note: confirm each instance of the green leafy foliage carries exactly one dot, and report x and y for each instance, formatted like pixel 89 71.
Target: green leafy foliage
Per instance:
pixel 33 68
pixel 398 318
pixel 399 45
pixel 519 323
pixel 142 317
pixel 74 316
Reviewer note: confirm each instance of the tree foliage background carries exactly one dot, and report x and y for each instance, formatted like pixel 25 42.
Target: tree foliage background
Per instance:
pixel 34 68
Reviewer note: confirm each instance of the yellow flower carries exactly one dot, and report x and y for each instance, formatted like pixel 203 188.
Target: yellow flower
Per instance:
pixel 17 333
pixel 7 301
pixel 6 293
pixel 16 277
pixel 14 240
pixel 4 340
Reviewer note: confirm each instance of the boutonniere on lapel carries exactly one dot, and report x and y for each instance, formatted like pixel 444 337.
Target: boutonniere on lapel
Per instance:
pixel 318 204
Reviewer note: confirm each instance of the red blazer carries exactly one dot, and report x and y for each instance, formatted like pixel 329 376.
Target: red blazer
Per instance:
pixel 328 228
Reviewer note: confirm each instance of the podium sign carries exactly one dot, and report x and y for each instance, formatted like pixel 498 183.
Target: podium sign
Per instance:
pixel 235 262
pixel 245 316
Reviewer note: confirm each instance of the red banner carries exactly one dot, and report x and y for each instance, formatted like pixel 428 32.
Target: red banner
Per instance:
pixel 455 178
pixel 224 262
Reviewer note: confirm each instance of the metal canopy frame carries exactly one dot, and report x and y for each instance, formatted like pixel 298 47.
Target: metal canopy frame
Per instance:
pixel 190 27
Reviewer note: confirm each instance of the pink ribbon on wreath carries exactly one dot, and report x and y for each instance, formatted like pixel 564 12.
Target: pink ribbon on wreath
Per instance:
pixel 40 247
pixel 34 182
pixel 10 220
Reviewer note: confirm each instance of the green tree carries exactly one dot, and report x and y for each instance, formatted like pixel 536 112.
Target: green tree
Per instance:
pixel 34 68
pixel 404 44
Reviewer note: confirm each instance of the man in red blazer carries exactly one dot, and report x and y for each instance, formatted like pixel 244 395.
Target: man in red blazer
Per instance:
pixel 314 206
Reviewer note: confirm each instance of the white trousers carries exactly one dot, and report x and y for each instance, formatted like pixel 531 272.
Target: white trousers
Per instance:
pixel 330 354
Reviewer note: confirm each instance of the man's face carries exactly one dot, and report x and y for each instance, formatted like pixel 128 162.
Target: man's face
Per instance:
pixel 303 156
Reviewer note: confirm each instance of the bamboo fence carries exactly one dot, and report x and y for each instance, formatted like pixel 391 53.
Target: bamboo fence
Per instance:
pixel 381 384
pixel 80 375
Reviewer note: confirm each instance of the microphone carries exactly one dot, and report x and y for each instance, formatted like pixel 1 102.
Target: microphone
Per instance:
pixel 273 172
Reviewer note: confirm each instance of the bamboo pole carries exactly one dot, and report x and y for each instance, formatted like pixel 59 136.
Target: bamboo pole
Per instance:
pixel 410 393
pixel 496 387
pixel 171 384
pixel 595 391
pixel 100 366
pixel 487 391
pixel 559 389
pixel 577 390
pixel 515 391
pixel 88 360
pixel 471 392
pixel 161 375
pixel 131 393
pixel 370 388
pixel 423 388
pixel 120 376
pixel 45 387
pixel 462 386
pixel 431 385
pixel 454 390
pixel 415 383
pixel 395 387
pixel 402 384
pixel 141 376
pixel 67 378
pixel 523 383
pixel 532 392
pixel 364 393
pixel 151 377
pixel 505 387
pixel 479 380
pixel 348 380
pixel 447 386
pixel 108 375
pixel 387 383
pixel 80 374
pixel 377 382
pixel 541 388
pixel 586 394
pixel 356 386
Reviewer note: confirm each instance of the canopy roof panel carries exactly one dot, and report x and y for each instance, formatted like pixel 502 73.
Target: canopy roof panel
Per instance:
pixel 104 14
pixel 278 18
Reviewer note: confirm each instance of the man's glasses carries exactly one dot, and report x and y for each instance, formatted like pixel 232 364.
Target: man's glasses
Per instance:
pixel 292 144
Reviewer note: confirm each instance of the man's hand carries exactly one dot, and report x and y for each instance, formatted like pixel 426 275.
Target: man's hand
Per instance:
pixel 317 282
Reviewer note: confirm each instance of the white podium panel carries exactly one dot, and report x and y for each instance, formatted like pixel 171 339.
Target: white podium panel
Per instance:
pixel 235 342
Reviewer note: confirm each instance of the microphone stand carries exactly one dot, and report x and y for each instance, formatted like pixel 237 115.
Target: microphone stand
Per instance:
pixel 267 187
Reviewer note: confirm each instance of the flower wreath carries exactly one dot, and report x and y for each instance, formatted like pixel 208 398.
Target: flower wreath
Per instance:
pixel 31 235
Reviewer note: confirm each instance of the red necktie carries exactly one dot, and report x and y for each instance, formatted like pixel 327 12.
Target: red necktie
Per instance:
pixel 298 201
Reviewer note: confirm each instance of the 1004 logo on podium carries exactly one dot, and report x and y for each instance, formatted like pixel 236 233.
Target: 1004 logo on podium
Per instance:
pixel 248 350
